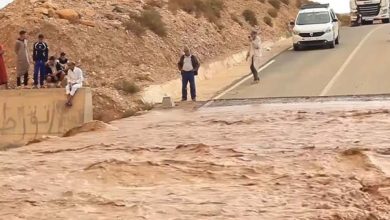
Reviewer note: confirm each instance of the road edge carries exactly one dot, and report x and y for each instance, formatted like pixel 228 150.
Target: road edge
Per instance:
pixel 235 82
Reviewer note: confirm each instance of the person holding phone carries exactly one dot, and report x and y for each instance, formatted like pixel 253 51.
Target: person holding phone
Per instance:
pixel 254 54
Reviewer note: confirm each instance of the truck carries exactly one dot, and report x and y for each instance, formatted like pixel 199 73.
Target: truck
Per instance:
pixel 368 11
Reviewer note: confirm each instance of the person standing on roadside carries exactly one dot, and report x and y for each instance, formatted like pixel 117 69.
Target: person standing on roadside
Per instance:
pixel 188 66
pixel 3 69
pixel 22 60
pixel 40 57
pixel 254 54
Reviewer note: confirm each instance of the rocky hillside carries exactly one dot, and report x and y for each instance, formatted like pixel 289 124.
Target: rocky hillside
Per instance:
pixel 126 45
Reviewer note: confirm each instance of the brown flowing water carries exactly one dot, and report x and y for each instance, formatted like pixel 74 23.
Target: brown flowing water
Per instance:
pixel 267 162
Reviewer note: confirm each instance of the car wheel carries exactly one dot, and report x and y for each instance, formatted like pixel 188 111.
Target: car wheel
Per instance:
pixel 337 40
pixel 332 44
pixel 387 20
pixel 296 47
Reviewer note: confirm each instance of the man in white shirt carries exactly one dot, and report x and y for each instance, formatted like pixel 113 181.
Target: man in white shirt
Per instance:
pixel 255 54
pixel 75 81
pixel 188 66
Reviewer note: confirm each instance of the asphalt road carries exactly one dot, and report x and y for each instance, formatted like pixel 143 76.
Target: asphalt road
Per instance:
pixel 358 66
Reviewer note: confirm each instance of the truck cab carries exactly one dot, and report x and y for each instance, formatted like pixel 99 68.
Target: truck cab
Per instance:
pixel 367 11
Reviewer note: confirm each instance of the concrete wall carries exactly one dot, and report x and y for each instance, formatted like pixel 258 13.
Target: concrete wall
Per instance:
pixel 30 114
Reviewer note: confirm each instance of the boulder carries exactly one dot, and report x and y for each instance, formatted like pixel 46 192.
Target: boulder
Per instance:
pixel 89 13
pixel 88 23
pixel 49 5
pixel 68 14
pixel 120 9
pixel 44 11
pixel 51 13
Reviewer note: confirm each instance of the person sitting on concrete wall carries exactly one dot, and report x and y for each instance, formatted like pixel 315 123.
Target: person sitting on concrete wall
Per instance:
pixel 3 70
pixel 55 72
pixel 188 66
pixel 75 81
pixel 63 60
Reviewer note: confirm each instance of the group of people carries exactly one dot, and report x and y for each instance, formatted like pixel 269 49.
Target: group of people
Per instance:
pixel 189 65
pixel 49 71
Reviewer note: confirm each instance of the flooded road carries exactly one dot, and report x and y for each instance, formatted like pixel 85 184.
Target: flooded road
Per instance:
pixel 324 161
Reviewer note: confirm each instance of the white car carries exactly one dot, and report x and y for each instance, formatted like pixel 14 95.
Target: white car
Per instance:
pixel 315 25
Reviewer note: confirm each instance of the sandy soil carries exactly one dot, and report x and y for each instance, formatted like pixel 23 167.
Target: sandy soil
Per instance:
pixel 265 162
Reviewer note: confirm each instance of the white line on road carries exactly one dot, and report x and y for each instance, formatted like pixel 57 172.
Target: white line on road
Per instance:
pixel 347 61
pixel 238 84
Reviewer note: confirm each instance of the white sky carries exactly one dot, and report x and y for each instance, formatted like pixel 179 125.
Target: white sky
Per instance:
pixel 4 3
pixel 340 6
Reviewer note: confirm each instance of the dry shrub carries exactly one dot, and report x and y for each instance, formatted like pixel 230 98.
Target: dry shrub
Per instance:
pixel 300 3
pixel 210 9
pixel 286 2
pixel 273 12
pixel 188 6
pixel 152 19
pixel 236 19
pixel 147 106
pixel 128 113
pixel 135 28
pixel 155 3
pixel 127 86
pixel 345 19
pixel 250 17
pixel 268 21
pixel 275 3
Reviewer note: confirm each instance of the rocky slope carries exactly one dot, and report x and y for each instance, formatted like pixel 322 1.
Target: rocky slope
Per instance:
pixel 112 45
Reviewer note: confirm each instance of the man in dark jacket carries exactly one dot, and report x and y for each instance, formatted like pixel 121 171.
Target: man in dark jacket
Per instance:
pixel 188 66
pixel 55 72
pixel 40 57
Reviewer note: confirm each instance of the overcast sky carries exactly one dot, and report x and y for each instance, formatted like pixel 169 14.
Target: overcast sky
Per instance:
pixel 4 3
pixel 340 6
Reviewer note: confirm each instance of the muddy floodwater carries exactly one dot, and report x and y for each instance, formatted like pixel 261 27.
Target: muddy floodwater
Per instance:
pixel 325 161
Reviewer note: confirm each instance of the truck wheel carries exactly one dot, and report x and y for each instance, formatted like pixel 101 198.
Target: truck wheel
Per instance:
pixel 387 20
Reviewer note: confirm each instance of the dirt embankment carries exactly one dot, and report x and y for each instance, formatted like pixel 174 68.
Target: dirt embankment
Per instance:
pixel 124 46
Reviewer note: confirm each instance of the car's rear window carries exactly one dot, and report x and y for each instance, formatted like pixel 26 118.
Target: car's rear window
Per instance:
pixel 307 18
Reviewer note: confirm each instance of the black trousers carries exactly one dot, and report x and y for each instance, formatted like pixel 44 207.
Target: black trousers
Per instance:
pixel 254 70
pixel 188 77
pixel 25 80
